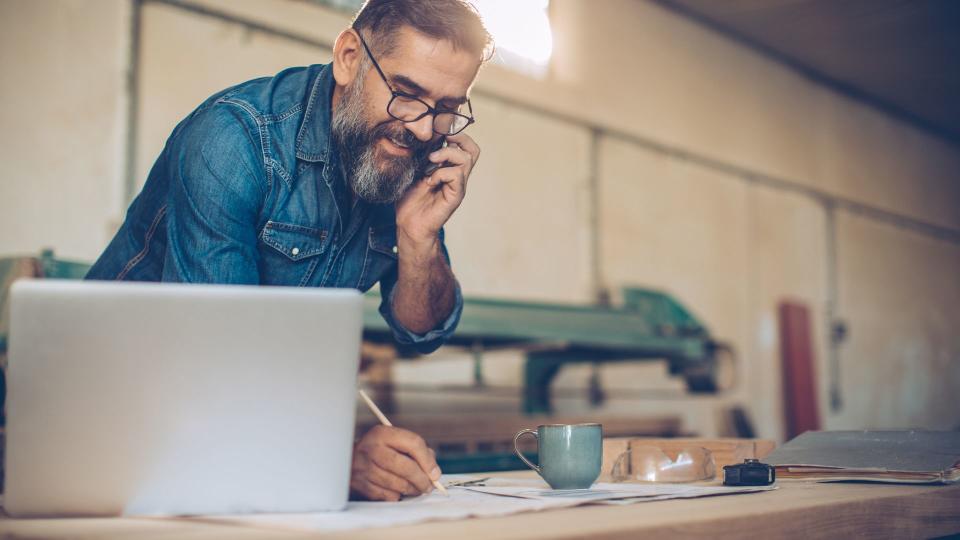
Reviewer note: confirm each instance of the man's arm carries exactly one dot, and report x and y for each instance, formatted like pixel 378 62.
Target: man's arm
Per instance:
pixel 426 289
pixel 422 298
pixel 425 293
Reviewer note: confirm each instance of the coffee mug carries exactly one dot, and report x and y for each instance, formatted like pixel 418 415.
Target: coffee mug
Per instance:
pixel 569 454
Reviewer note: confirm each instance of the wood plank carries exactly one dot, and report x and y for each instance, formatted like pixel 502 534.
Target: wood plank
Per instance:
pixel 796 510
pixel 799 370
pixel 143 528
pixel 612 449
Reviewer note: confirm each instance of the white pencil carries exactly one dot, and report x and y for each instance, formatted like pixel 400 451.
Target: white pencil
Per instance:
pixel 385 421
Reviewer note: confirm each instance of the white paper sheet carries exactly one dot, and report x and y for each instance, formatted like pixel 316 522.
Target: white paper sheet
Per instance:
pixel 602 492
pixel 461 504
pixel 497 497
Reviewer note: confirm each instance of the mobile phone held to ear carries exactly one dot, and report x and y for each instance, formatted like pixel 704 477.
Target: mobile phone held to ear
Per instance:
pixel 427 167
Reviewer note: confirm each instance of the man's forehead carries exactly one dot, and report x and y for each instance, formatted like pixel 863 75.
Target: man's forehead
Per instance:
pixel 430 66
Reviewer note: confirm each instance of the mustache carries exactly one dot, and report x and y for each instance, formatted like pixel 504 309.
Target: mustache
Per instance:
pixel 395 131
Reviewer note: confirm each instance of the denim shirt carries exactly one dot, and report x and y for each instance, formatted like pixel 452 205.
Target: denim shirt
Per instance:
pixel 249 190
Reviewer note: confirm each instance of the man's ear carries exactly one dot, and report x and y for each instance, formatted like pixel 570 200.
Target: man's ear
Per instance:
pixel 346 57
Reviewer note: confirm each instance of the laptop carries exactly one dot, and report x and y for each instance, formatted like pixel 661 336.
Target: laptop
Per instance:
pixel 169 399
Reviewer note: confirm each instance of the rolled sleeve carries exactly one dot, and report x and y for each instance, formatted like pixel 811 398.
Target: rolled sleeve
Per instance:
pixel 427 342
pixel 430 341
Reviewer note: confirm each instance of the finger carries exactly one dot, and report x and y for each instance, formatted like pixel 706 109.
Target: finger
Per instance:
pixel 410 444
pixel 452 176
pixel 403 466
pixel 388 480
pixel 451 154
pixel 466 143
pixel 414 446
pixel 374 492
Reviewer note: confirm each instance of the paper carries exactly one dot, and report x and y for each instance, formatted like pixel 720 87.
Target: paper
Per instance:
pixel 605 492
pixel 462 503
pixel 497 497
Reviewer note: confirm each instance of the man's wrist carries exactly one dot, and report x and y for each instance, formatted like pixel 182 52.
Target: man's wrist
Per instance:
pixel 418 249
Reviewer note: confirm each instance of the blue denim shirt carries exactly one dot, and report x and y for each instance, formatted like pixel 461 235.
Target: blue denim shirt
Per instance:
pixel 248 190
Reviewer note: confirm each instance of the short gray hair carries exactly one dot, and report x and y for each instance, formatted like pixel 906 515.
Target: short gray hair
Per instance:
pixel 456 21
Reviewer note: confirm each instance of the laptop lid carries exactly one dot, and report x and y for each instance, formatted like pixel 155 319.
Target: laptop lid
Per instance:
pixel 136 398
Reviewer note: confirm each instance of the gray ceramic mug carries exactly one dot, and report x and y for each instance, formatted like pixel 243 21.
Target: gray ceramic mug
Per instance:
pixel 569 454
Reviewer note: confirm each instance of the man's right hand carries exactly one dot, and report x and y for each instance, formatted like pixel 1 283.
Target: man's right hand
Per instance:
pixel 389 462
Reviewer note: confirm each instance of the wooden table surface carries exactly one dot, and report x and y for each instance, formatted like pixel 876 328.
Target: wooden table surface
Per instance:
pixel 796 510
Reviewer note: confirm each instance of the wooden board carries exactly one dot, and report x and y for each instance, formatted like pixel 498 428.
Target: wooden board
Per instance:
pixel 799 374
pixel 796 510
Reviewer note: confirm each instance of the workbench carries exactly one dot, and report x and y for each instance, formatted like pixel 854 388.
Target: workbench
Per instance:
pixel 796 510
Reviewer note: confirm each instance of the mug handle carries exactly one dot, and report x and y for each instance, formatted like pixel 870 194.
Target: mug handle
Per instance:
pixel 520 455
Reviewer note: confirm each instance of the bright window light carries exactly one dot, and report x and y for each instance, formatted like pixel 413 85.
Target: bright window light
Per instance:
pixel 521 30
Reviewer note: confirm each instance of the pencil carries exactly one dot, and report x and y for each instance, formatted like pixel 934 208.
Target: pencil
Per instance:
pixel 385 421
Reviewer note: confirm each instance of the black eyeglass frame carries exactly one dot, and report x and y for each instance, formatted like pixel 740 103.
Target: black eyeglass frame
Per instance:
pixel 430 110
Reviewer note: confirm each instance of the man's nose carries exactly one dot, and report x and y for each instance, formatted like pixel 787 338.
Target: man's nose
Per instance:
pixel 422 128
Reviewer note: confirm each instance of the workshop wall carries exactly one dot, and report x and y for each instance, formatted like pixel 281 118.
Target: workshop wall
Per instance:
pixel 901 293
pixel 654 153
pixel 62 115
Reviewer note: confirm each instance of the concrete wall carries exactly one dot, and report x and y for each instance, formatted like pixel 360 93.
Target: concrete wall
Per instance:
pixel 62 118
pixel 654 153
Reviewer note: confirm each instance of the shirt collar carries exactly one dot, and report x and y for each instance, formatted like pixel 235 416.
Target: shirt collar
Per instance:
pixel 314 139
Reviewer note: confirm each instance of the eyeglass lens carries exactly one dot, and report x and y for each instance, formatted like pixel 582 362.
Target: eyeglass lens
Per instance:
pixel 408 110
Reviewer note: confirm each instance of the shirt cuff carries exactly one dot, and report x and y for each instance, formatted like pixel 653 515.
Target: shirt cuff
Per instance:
pixel 431 340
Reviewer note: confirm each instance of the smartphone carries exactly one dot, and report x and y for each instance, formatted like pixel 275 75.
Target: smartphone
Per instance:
pixel 426 166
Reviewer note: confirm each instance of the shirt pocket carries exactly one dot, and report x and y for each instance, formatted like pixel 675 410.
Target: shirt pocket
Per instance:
pixel 291 253
pixel 381 256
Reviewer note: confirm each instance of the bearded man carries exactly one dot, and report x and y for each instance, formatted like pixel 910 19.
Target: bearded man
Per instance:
pixel 323 177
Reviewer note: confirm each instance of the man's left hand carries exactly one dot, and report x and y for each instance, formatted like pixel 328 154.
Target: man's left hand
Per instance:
pixel 430 202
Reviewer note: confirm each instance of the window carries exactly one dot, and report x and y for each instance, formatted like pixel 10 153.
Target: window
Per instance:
pixel 521 31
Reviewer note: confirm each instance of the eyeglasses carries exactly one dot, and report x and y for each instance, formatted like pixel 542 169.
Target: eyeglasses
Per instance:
pixel 407 108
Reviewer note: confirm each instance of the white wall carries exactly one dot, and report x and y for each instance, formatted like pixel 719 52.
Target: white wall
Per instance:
pixel 61 124
pixel 902 293
pixel 680 123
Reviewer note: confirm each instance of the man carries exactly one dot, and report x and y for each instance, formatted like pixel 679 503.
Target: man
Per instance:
pixel 321 177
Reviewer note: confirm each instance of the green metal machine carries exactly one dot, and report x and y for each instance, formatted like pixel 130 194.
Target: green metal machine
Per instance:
pixel 649 325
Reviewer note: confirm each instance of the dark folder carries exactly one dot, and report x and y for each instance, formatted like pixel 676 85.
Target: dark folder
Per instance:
pixel 878 456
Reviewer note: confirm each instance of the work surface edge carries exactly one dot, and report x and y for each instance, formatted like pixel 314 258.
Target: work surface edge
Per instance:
pixel 797 509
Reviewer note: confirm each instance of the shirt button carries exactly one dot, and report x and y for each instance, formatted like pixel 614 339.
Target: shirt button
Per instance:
pixel 295 251
pixel 395 249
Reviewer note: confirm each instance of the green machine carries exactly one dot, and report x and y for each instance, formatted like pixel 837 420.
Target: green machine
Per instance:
pixel 649 326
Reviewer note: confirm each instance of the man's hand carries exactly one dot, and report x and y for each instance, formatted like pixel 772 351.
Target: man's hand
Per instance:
pixel 389 462
pixel 429 203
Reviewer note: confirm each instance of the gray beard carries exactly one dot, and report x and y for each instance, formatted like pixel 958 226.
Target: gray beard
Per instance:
pixel 356 144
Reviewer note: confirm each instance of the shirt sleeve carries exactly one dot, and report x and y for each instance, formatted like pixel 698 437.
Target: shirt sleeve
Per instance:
pixel 216 190
pixel 430 341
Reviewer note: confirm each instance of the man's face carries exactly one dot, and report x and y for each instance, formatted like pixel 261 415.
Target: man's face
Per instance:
pixel 381 155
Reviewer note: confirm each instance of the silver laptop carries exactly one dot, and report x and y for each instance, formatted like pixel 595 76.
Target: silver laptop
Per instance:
pixel 160 399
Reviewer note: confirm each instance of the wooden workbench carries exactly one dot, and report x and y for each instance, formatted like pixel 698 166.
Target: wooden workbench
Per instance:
pixel 796 510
